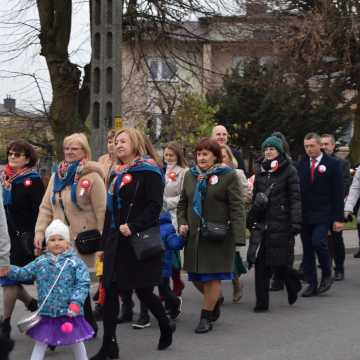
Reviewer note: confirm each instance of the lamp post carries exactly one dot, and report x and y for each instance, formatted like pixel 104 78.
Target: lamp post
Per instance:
pixel 106 69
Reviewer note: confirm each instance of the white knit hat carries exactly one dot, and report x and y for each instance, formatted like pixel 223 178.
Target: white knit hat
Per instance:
pixel 57 227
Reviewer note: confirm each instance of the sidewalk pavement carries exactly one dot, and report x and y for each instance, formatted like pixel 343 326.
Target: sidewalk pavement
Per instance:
pixel 322 328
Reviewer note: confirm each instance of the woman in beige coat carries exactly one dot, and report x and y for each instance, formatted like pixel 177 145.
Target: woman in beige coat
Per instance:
pixel 76 195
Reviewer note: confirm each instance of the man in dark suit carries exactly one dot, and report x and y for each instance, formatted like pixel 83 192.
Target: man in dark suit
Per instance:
pixel 336 241
pixel 322 197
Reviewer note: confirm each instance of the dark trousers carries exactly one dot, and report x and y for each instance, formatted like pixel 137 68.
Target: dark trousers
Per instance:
pixel 88 313
pixel 314 238
pixel 111 309
pixel 127 302
pixel 170 298
pixel 263 275
pixel 337 250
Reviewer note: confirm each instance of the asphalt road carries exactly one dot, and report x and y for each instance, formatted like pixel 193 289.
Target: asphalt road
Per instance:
pixel 321 328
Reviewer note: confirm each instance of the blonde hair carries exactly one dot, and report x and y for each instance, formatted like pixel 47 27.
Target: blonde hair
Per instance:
pixel 81 139
pixel 136 139
pixel 230 155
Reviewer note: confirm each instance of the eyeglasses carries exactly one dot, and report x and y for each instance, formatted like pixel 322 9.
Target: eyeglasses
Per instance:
pixel 15 154
pixel 72 149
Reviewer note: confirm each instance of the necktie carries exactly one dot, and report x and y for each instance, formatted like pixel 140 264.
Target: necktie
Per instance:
pixel 312 169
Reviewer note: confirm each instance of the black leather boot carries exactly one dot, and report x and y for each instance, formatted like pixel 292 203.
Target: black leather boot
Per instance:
pixel 5 328
pixel 109 350
pixel 205 324
pixel 166 335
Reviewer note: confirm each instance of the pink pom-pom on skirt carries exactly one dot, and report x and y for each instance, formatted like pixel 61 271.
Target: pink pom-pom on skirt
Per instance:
pixel 48 331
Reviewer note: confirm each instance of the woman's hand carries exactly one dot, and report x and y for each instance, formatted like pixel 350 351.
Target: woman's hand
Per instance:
pixel 4 270
pixel 125 230
pixel 183 230
pixel 38 245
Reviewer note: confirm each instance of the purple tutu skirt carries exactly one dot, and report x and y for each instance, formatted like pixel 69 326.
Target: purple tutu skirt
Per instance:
pixel 48 331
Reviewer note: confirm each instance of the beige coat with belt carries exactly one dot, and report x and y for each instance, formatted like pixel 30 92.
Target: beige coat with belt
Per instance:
pixel 88 216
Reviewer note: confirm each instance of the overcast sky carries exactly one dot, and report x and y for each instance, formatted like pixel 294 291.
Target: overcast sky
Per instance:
pixel 23 88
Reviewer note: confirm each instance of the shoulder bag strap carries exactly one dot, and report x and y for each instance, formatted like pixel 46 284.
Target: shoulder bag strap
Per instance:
pixel 52 287
pixel 63 209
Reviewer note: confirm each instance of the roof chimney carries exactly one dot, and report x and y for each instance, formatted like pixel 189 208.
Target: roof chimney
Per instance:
pixel 10 104
pixel 256 7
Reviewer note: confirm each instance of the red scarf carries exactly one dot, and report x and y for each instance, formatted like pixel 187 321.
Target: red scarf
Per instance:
pixel 10 174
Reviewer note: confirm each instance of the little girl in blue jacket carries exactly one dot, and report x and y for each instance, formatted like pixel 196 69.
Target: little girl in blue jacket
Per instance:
pixel 65 303
pixel 172 242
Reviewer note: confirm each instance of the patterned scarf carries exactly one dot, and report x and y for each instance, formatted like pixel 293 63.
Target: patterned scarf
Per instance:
pixel 202 184
pixel 8 177
pixel 67 174
pixel 138 165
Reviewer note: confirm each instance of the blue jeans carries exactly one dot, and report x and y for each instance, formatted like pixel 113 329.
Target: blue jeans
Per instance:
pixel 314 239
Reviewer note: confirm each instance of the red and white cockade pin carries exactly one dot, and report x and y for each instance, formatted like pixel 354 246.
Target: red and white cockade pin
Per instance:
pixel 213 180
pixel 172 176
pixel 28 182
pixel 84 185
pixel 127 179
pixel 274 165
pixel 322 169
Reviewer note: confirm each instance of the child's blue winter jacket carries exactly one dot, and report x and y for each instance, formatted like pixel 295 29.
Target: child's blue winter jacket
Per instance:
pixel 171 240
pixel 72 287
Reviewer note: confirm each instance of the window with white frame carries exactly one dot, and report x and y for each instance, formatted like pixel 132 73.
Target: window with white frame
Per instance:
pixel 162 69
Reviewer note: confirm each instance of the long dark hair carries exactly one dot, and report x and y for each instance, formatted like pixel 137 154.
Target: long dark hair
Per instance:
pixel 176 148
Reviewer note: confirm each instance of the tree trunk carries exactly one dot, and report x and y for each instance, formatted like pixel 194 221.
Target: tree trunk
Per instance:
pixel 55 22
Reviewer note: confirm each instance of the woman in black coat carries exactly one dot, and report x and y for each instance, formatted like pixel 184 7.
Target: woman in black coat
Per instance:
pixel 280 218
pixel 22 194
pixel 138 181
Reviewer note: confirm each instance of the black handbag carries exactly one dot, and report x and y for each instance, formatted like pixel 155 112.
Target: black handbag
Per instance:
pixel 257 235
pixel 213 231
pixel 147 243
pixel 88 242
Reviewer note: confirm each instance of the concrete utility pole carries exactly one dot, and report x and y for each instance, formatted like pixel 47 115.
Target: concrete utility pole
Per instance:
pixel 106 70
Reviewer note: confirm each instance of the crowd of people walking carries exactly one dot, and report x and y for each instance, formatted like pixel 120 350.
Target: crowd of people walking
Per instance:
pixel 130 214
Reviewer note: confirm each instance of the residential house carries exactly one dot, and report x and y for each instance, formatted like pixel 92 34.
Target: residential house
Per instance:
pixel 194 56
pixel 18 124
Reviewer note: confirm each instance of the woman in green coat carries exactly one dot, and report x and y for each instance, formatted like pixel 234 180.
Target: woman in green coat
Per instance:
pixel 211 197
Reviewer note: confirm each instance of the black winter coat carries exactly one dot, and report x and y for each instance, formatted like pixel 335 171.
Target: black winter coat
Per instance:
pixel 120 263
pixel 283 212
pixel 21 216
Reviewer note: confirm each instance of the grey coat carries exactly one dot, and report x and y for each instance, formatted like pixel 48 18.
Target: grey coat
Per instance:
pixel 354 194
pixel 4 235
pixel 223 203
